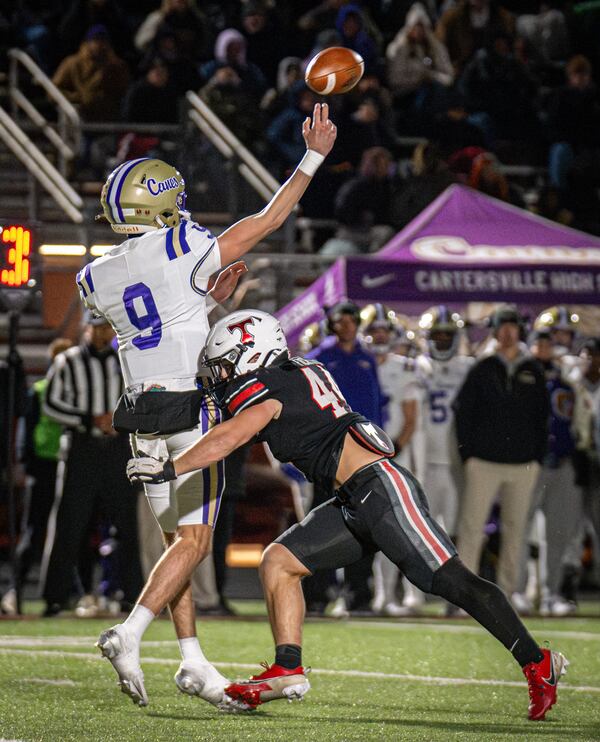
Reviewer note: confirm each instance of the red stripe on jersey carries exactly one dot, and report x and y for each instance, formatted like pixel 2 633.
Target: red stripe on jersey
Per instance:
pixel 244 395
pixel 434 545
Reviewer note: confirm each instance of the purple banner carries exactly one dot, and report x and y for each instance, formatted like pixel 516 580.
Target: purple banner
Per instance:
pixel 394 281
pixel 308 307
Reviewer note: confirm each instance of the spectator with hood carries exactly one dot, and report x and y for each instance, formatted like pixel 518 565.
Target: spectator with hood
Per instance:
pixel 95 78
pixel 350 26
pixel 234 87
pixel 416 59
pixel 289 71
pixel 230 55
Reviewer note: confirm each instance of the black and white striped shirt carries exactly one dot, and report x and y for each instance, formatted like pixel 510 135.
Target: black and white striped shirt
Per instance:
pixel 82 383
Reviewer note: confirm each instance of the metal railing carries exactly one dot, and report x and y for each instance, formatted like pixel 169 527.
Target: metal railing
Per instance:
pixel 40 169
pixel 240 157
pixel 226 142
pixel 65 138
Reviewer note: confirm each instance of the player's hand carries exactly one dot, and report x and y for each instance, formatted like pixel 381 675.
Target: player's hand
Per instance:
pixel 104 423
pixel 227 281
pixel 321 133
pixel 149 470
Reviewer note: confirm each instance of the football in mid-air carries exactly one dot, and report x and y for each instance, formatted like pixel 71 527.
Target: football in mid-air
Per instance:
pixel 334 70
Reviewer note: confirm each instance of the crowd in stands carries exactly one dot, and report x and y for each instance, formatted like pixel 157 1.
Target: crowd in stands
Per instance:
pixel 486 83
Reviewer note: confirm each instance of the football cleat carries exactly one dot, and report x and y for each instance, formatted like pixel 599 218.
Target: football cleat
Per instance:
pixel 542 678
pixel 206 682
pixel 274 683
pixel 123 651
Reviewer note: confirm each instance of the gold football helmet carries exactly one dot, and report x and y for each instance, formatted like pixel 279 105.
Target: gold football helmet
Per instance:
pixel 311 337
pixel 143 195
pixel 377 315
pixel 556 318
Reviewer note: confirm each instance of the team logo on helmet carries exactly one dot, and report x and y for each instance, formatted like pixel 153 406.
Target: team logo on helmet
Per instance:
pixel 246 335
pixel 161 186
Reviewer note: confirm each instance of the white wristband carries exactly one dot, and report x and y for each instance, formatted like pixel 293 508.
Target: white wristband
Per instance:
pixel 309 164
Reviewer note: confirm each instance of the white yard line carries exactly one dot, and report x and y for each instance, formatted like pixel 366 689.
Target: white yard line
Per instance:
pixel 317 671
pixel 47 681
pixel 436 628
pixel 454 629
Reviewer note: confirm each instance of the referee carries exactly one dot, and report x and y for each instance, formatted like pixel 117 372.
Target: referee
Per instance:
pixel 84 384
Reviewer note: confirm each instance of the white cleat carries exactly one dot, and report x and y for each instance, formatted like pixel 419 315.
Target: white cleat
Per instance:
pixel 206 682
pixel 122 650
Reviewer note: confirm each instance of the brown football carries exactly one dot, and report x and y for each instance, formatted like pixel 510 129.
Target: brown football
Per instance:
pixel 334 70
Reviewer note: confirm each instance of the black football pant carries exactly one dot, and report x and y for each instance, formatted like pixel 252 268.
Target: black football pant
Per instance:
pixel 357 575
pixel 383 508
pixel 94 481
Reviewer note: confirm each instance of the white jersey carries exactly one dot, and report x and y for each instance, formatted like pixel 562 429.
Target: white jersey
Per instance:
pixel 153 290
pixel 441 381
pixel 399 382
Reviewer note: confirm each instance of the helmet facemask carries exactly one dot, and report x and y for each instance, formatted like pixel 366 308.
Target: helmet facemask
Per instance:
pixel 440 348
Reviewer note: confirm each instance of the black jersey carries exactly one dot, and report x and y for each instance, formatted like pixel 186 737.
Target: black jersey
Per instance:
pixel 314 418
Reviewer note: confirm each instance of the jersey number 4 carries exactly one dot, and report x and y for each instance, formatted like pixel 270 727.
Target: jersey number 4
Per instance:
pixel 325 392
pixel 149 323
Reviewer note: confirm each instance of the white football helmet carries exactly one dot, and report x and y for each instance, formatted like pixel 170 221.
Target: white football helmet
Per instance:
pixel 242 342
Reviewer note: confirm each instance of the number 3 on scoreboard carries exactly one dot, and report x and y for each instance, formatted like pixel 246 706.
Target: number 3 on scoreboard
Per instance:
pixel 325 392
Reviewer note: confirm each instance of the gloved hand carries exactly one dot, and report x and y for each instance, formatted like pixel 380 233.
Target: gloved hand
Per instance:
pixel 150 470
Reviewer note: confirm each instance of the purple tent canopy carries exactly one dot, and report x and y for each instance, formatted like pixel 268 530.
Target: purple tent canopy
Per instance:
pixel 465 246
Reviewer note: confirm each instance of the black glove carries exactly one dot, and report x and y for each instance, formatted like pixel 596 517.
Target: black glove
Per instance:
pixel 150 470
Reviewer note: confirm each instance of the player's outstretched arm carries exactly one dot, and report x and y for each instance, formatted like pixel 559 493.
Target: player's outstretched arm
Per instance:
pixel 215 446
pixel 319 136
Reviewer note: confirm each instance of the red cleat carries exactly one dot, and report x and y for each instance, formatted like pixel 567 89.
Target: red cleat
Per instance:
pixel 542 678
pixel 275 682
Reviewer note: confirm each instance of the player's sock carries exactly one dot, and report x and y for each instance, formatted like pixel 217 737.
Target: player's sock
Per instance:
pixel 288 656
pixel 486 603
pixel 191 651
pixel 138 620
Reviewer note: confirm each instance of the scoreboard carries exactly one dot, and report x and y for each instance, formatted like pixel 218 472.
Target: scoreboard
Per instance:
pixel 15 259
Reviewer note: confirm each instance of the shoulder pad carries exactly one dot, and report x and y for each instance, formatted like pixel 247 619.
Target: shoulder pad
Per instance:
pixel 244 391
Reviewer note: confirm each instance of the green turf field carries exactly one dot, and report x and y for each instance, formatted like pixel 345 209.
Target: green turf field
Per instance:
pixel 371 680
